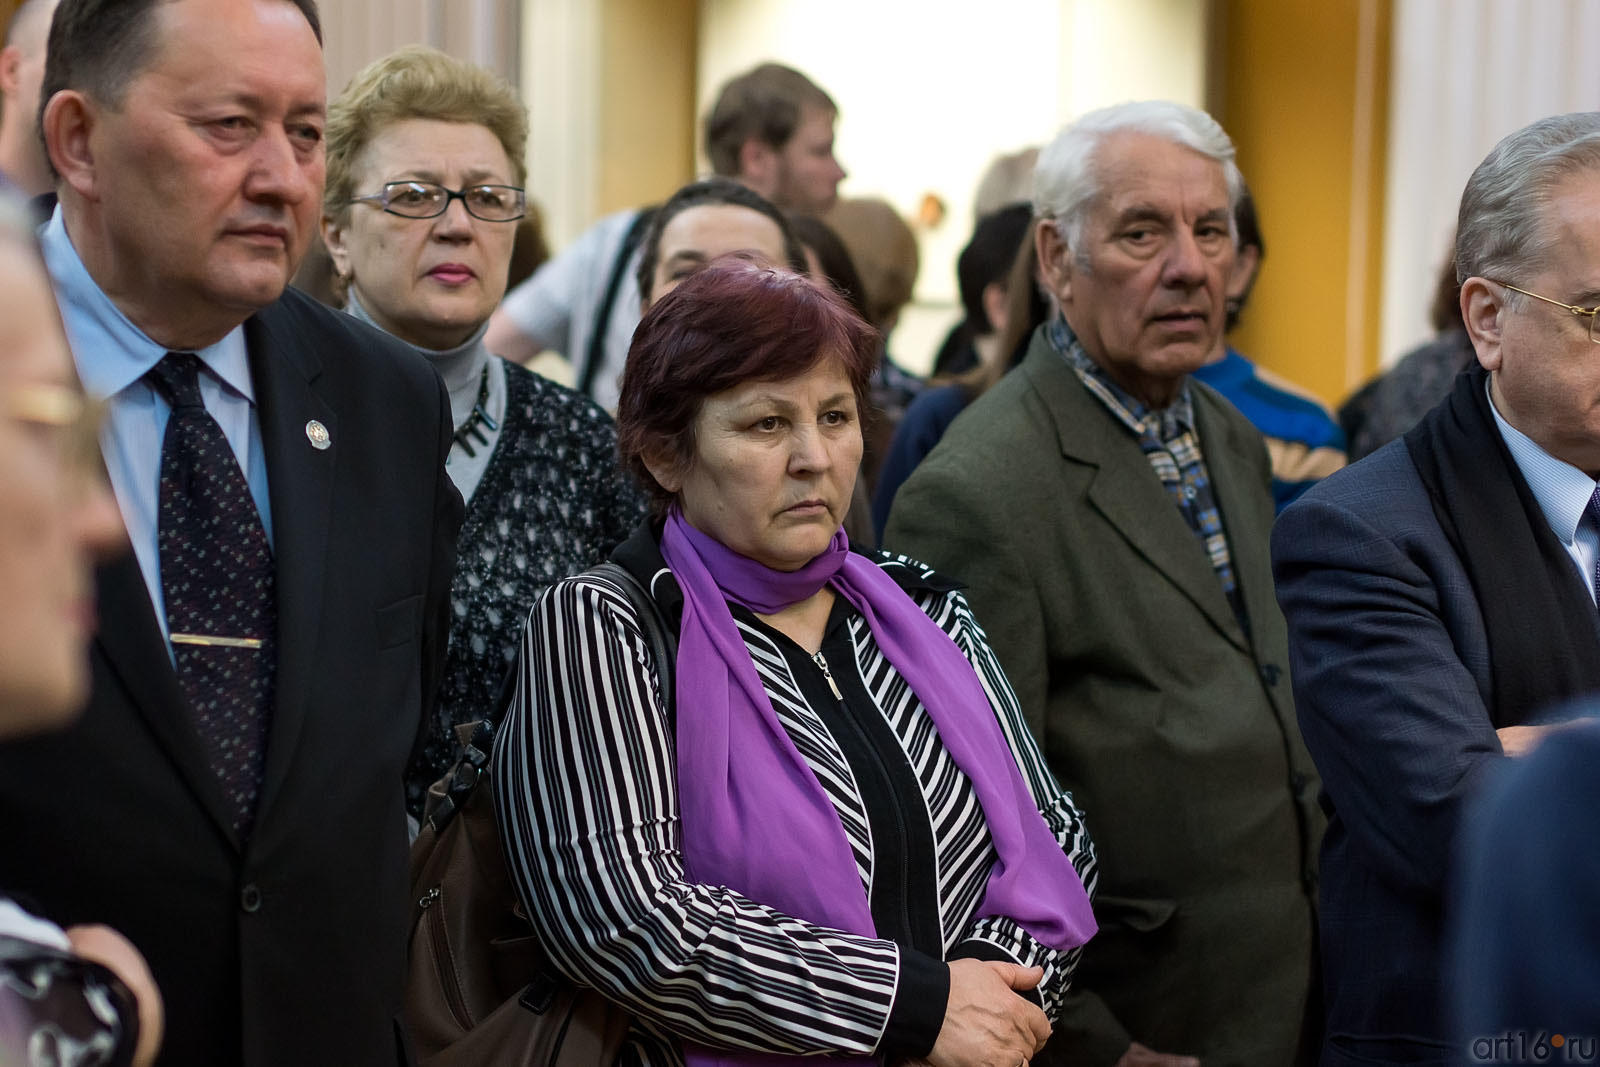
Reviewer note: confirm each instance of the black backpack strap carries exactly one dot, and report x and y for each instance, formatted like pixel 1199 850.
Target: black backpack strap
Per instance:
pixel 663 642
pixel 602 317
pixel 658 632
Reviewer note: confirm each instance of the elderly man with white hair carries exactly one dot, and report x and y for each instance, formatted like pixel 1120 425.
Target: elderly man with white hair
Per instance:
pixel 1111 518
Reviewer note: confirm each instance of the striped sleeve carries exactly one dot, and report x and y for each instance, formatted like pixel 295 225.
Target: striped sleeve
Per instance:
pixel 1060 813
pixel 586 799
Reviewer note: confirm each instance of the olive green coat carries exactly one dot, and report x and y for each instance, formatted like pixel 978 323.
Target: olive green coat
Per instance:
pixel 1174 730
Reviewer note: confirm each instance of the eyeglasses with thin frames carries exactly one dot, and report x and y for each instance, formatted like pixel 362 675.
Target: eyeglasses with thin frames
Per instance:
pixel 429 200
pixel 72 420
pixel 1593 313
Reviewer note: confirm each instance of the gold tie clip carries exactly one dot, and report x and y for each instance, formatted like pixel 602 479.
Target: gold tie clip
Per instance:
pixel 205 641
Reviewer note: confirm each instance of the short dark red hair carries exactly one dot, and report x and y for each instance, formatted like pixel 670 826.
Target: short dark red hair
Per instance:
pixel 733 322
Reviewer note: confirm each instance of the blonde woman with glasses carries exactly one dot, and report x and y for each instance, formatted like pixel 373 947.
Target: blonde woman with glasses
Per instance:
pixel 424 188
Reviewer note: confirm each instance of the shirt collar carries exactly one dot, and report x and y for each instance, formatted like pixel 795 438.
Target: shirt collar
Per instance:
pixel 110 351
pixel 1165 422
pixel 1562 490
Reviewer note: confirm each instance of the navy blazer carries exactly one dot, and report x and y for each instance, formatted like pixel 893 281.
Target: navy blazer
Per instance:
pixel 1391 683
pixel 289 947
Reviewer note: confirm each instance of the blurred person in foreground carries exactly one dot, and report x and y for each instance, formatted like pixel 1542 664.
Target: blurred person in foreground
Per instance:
pixel 23 167
pixel 419 213
pixel 1441 593
pixel 279 626
pixel 834 835
pixel 1110 517
pixel 1303 441
pixel 84 990
pixel 770 128
pixel 1524 939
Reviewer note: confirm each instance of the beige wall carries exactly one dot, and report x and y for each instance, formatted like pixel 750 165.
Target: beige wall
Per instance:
pixel 610 90
pixel 648 126
pixel 355 32
pixel 1303 90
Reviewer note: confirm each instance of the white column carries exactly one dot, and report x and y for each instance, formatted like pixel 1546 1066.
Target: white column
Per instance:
pixel 561 69
pixel 1465 74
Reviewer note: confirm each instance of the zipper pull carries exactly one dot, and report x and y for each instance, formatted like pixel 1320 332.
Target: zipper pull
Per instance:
pixel 429 898
pixel 826 673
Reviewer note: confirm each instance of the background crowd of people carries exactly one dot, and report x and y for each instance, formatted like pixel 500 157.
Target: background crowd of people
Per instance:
pixel 1077 705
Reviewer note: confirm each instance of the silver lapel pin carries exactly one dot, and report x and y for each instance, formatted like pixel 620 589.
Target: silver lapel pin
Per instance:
pixel 317 434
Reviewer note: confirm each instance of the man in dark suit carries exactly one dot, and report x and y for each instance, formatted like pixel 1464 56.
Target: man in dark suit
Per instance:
pixel 1111 516
pixel 232 798
pixel 1440 593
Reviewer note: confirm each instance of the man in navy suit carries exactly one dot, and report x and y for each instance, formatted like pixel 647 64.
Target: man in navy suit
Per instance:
pixel 243 824
pixel 1440 594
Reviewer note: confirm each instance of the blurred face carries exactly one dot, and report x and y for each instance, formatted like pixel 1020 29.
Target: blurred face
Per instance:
pixel 432 282
pixel 697 235
pixel 203 187
pixel 807 174
pixel 56 513
pixel 774 466
pixel 1546 371
pixel 1147 300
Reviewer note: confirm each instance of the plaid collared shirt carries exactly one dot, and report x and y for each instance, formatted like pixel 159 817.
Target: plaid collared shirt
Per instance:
pixel 1168 439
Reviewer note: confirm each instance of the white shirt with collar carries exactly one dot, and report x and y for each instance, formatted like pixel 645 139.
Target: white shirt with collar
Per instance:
pixel 1563 493
pixel 113 355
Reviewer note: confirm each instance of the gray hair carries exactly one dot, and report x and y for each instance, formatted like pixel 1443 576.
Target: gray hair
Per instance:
pixel 1500 231
pixel 1066 181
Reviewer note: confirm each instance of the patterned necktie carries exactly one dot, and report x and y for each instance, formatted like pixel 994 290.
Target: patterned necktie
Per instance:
pixel 1593 511
pixel 217 579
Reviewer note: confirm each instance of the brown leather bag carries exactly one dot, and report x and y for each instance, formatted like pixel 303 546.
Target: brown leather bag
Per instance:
pixel 481 991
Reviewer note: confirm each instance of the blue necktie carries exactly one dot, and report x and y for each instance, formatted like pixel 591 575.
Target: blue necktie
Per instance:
pixel 217 580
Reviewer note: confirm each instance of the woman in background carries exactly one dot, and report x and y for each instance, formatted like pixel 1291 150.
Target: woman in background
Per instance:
pixel 423 194
pixel 706 220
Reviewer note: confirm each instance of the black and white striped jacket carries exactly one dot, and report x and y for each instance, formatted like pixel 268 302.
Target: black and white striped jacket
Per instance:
pixel 588 811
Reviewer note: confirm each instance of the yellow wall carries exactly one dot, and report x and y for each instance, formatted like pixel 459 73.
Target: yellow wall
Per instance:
pixel 647 120
pixel 1302 88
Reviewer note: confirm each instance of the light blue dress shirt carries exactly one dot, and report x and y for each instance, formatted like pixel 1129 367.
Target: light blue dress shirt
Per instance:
pixel 1563 493
pixel 113 356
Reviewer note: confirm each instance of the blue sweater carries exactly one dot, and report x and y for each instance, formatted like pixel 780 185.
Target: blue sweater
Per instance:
pixel 1303 440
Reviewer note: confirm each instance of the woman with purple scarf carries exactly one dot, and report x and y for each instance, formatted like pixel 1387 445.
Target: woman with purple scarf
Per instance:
pixel 834 834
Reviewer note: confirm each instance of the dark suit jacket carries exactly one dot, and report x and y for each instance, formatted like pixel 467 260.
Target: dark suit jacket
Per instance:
pixel 1173 728
pixel 291 947
pixel 1391 678
pixel 1526 958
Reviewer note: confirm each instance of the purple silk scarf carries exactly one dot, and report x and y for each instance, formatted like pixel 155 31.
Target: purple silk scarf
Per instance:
pixel 754 817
